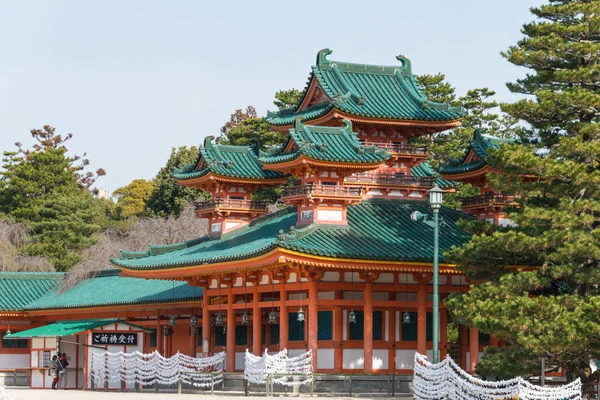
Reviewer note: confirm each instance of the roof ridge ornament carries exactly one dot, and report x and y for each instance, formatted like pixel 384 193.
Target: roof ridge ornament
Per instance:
pixel 322 57
pixel 208 141
pixel 406 64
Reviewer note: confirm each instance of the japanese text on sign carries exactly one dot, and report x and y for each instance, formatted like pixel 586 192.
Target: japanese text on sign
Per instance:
pixel 114 338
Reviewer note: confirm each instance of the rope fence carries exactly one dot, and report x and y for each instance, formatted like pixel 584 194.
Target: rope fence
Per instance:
pixel 446 380
pixel 153 369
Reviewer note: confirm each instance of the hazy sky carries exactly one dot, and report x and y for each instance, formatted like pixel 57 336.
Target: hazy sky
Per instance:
pixel 131 79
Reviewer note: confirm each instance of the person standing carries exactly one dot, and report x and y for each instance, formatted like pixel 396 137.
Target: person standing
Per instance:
pixel 62 380
pixel 54 369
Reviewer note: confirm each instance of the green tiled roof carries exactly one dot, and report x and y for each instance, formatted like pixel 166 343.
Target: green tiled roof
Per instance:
pixel 377 230
pixel 108 289
pixel 228 161
pixel 17 289
pixel 66 328
pixel 424 170
pixel 480 144
pixel 327 143
pixel 374 91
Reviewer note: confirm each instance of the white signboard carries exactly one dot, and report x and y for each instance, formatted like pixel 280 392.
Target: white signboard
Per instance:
pixel 330 215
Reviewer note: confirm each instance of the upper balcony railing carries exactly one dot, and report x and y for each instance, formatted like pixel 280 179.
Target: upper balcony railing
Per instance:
pixel 375 179
pixel 328 191
pixel 488 198
pixel 396 148
pixel 226 204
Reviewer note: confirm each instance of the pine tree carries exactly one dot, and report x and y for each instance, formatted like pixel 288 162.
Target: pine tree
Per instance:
pixel 542 277
pixel 168 198
pixel 50 191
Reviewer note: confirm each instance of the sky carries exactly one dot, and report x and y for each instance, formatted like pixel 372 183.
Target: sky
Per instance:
pixel 132 79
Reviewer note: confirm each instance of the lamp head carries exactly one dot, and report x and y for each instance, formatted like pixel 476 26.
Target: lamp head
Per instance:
pixel 352 317
pixel 406 318
pixel 172 321
pixel 245 319
pixel 436 197
pixel 300 317
pixel 219 320
pixel 272 318
pixel 193 321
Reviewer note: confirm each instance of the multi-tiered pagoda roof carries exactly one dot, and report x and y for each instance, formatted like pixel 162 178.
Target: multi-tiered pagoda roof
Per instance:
pixel 224 162
pixel 329 144
pixel 360 91
pixel 377 230
pixel 475 155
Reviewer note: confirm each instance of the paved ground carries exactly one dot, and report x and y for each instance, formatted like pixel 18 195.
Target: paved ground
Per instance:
pixel 29 394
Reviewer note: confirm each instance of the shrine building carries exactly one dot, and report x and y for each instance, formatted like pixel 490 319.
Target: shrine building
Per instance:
pixel 339 268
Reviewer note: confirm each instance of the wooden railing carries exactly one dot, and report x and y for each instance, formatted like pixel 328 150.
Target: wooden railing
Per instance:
pixel 213 204
pixel 399 148
pixel 389 179
pixel 322 190
pixel 488 198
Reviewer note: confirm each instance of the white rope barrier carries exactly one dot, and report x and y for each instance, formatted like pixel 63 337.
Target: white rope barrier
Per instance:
pixel 152 368
pixel 281 368
pixel 3 395
pixel 446 380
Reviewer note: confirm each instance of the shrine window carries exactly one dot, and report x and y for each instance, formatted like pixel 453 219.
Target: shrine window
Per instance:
pixel 274 334
pixel 357 329
pixel 152 338
pixel 200 341
pixel 410 331
pixel 329 183
pixel 236 197
pixel 325 325
pixel 241 335
pixel 296 328
pixel 14 343
pixel 220 336
pixel 484 339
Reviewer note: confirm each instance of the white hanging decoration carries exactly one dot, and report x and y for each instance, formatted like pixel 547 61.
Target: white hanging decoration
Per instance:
pixel 148 369
pixel 3 395
pixel 281 367
pixel 446 380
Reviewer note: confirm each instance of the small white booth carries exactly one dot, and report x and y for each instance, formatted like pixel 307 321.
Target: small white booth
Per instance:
pixel 77 339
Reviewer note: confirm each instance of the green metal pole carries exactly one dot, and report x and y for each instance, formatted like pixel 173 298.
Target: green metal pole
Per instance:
pixel 436 296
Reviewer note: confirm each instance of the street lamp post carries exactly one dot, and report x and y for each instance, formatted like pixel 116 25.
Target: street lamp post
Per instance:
pixel 435 201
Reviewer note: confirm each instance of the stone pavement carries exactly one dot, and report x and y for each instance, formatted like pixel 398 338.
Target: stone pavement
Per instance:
pixel 31 394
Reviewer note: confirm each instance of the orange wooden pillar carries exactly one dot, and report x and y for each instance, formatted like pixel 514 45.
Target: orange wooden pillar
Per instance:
pixel 313 319
pixel 443 333
pixel 473 349
pixel 368 327
pixel 422 319
pixel 256 321
pixel 338 328
pixel 205 320
pixel 463 343
pixel 230 349
pixel 283 317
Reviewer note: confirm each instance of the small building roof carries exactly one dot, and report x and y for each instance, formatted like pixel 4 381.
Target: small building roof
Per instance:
pixel 226 161
pixel 326 143
pixel 109 289
pixel 475 155
pixel 67 328
pixel 376 230
pixel 424 169
pixel 21 288
pixel 372 91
